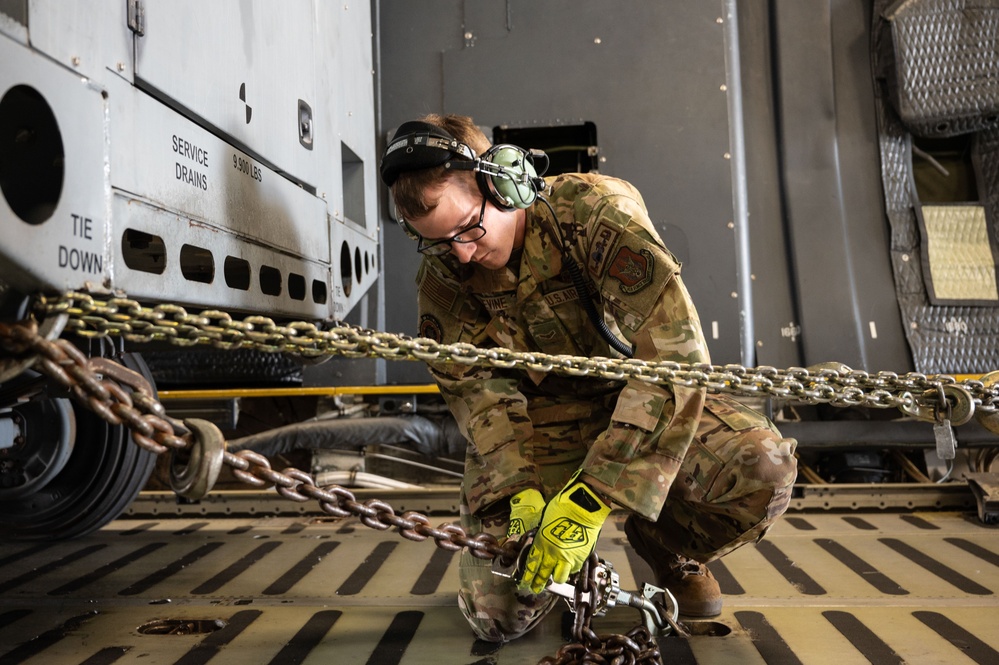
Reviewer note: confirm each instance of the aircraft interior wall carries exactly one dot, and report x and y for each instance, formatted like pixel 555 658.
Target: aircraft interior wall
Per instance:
pixel 812 282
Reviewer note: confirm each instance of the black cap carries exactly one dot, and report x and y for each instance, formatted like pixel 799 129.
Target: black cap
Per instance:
pixel 419 145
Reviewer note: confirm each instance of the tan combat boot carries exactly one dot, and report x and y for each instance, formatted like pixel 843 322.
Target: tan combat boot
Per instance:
pixel 695 588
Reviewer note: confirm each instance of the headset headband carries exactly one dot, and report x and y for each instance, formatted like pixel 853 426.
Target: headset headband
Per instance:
pixel 505 174
pixel 419 145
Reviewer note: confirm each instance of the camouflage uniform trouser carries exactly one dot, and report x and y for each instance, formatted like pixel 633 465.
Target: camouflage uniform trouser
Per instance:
pixel 734 482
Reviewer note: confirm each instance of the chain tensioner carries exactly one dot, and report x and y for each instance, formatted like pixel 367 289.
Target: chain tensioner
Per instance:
pixel 591 593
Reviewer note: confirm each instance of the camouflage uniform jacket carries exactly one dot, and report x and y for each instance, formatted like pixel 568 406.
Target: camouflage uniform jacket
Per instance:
pixel 532 305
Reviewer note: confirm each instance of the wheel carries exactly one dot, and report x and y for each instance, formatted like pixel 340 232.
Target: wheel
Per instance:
pixel 71 472
pixel 41 434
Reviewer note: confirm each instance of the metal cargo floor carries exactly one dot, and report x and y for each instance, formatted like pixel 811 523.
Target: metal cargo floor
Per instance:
pixel 917 587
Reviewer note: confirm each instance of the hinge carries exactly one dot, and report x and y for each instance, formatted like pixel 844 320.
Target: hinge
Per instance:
pixel 136 17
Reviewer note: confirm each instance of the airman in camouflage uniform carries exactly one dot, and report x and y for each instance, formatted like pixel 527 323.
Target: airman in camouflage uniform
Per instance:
pixel 700 474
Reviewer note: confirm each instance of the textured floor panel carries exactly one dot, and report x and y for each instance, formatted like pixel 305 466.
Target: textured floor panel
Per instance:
pixel 822 588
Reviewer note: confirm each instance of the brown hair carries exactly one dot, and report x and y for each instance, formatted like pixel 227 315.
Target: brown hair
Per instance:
pixel 409 191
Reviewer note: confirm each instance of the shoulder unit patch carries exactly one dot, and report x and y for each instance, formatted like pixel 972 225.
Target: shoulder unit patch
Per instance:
pixel 430 328
pixel 633 269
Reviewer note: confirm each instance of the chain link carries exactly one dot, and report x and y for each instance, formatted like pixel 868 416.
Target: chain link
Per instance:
pixel 638 646
pixel 837 385
pixel 98 386
pixel 154 431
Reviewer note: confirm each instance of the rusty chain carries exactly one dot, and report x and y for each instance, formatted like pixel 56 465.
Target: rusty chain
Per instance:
pixel 98 385
pixel 89 381
pixel 96 382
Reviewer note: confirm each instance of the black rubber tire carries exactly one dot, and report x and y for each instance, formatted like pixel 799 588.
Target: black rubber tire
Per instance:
pixel 104 474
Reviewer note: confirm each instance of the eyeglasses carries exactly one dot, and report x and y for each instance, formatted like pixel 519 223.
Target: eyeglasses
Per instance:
pixel 443 246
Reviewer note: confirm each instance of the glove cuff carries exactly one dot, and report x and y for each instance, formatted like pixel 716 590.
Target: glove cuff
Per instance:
pixel 586 505
pixel 528 497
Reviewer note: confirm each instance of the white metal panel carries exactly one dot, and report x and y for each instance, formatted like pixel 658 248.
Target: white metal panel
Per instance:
pixel 171 285
pixel 90 37
pixel 135 162
pixel 240 67
pixel 345 81
pixel 68 250
pixel 162 156
pixel 351 281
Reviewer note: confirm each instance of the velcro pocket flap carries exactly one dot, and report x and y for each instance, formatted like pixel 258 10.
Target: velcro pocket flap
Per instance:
pixel 642 408
pixel 736 415
pixel 490 429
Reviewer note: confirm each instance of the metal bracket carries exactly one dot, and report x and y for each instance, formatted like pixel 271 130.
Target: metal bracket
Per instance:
pixel 305 125
pixel 659 618
pixel 985 487
pixel 136 17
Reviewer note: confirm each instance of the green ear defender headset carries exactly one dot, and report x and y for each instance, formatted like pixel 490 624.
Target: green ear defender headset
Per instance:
pixel 509 175
pixel 506 174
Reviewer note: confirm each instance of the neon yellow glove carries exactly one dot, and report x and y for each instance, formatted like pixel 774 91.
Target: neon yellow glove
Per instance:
pixel 569 529
pixel 526 507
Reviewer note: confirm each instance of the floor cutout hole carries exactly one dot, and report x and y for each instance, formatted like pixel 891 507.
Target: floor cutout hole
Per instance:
pixel 181 627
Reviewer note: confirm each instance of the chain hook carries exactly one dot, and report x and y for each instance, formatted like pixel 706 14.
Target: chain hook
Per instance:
pixel 194 478
pixel 942 408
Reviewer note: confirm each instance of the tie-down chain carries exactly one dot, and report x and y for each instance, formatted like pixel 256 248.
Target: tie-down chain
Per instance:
pixel 930 398
pixel 97 383
pixel 594 590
